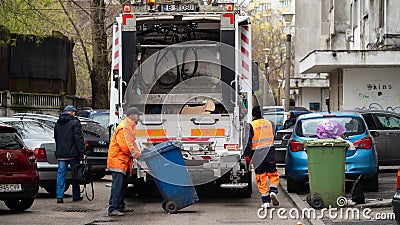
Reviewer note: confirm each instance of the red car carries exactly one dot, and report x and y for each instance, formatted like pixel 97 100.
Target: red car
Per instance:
pixel 19 178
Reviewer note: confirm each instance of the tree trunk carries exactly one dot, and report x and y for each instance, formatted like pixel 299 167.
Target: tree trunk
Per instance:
pixel 99 75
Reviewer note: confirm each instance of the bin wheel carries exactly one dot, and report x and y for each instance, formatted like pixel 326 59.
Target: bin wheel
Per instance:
pixel 163 204
pixel 308 198
pixel 171 207
pixel 317 202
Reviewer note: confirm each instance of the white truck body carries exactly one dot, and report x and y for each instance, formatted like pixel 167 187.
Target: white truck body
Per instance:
pixel 156 81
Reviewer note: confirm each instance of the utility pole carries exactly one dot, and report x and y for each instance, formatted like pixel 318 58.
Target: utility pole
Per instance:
pixel 287 71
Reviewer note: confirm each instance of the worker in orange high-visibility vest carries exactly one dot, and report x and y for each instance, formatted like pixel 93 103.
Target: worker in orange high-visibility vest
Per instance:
pixel 260 149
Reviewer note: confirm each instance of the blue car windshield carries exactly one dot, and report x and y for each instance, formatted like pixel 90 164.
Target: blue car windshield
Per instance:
pixel 308 127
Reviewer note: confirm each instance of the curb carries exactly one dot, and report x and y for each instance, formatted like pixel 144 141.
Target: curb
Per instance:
pixel 298 202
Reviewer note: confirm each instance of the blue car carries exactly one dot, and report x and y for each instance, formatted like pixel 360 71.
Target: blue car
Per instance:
pixel 363 160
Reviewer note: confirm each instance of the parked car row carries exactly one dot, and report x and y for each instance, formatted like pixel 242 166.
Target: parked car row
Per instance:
pixel 27 156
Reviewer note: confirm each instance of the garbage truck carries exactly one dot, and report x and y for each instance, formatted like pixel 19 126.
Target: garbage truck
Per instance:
pixel 187 66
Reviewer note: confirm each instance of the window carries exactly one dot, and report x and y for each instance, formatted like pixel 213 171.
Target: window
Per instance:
pixel 388 121
pixel 315 106
pixel 285 3
pixel 308 127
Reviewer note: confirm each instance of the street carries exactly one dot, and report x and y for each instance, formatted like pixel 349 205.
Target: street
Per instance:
pixel 212 208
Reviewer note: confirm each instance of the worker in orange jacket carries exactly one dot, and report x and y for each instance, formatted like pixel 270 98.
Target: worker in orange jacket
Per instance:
pixel 122 151
pixel 260 149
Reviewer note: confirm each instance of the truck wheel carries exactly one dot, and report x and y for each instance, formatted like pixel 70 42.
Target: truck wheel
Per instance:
pixel 19 205
pixel 171 207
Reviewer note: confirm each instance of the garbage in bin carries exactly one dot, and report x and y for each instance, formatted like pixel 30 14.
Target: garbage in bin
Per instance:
pixel 326 169
pixel 167 166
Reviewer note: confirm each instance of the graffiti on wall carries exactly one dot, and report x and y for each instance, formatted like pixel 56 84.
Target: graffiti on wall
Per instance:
pixel 377 95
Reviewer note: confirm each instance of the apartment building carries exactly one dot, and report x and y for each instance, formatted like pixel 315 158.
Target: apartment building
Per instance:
pixel 357 43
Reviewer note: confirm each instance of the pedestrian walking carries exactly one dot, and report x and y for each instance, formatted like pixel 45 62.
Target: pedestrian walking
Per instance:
pixel 122 151
pixel 70 148
pixel 260 149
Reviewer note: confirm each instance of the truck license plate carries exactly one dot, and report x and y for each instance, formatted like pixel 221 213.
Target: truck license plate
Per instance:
pixel 10 187
pixel 178 7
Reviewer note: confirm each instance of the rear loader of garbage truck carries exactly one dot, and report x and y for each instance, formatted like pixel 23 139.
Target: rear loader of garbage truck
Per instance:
pixel 188 67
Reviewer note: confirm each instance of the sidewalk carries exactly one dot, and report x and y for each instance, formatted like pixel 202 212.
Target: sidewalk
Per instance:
pixel 375 207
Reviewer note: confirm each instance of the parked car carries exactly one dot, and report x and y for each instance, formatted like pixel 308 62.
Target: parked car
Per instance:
pixel 278 116
pixel 96 140
pixel 396 199
pixel 280 143
pixel 19 178
pixel 39 138
pixel 385 127
pixel 363 160
pixel 102 117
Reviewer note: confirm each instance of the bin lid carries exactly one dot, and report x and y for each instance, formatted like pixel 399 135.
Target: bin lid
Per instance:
pixel 326 142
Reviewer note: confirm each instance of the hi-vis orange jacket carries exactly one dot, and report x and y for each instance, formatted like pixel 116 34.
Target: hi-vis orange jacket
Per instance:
pixel 123 148
pixel 263 134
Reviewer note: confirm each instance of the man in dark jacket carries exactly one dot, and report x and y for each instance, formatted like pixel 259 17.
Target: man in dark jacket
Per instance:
pixel 70 147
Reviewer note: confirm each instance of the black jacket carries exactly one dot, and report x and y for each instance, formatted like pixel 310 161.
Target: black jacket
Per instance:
pixel 69 137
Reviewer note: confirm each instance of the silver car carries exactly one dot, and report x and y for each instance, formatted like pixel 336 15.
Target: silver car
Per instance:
pixel 385 127
pixel 39 137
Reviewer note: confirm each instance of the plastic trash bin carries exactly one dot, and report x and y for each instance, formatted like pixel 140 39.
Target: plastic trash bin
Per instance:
pixel 326 171
pixel 166 165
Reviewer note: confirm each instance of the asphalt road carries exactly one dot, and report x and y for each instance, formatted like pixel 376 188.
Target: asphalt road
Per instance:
pixel 212 209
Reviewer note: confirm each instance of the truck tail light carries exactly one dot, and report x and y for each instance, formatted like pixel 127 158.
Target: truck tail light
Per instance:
pixel 296 146
pixel 126 8
pixel 231 147
pixel 363 143
pixel 40 154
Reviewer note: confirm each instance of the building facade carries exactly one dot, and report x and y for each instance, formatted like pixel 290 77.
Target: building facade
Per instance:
pixel 358 49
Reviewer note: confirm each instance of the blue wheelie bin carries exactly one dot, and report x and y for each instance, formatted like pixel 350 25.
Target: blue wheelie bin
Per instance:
pixel 166 165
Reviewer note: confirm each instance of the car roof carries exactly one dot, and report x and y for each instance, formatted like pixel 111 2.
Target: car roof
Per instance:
pixel 16 119
pixel 322 114
pixel 38 116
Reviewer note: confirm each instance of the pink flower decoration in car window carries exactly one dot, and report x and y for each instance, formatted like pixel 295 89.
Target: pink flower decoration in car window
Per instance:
pixel 330 129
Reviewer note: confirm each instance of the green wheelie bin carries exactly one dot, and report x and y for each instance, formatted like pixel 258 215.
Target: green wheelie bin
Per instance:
pixel 326 171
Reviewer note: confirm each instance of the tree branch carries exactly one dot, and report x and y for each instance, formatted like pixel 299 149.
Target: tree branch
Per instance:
pixel 79 35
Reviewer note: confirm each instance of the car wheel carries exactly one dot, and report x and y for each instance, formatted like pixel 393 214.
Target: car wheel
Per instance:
pixel 371 184
pixel 51 188
pixel 19 205
pixel 296 186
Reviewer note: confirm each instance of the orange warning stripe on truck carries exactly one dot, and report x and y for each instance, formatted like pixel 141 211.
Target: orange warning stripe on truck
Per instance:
pixel 151 133
pixel 208 132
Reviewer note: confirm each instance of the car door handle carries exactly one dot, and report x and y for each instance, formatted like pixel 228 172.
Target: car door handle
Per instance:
pixel 391 134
